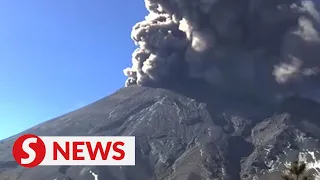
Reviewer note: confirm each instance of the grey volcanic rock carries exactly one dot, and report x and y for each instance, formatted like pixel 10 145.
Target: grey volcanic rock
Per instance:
pixel 187 133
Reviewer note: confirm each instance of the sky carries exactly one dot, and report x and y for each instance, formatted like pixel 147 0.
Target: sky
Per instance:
pixel 59 55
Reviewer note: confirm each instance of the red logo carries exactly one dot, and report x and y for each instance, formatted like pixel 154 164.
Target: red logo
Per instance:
pixel 29 150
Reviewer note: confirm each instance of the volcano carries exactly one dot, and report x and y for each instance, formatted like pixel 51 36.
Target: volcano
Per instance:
pixel 190 132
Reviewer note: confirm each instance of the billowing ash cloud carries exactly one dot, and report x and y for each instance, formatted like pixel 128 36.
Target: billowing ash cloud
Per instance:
pixel 249 46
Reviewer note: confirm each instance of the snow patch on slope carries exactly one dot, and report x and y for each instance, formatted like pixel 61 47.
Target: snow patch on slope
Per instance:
pixel 313 164
pixel 94 175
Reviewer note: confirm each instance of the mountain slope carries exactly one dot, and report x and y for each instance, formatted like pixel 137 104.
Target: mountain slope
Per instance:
pixel 184 134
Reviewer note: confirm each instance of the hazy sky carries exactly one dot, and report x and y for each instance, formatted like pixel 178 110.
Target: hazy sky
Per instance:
pixel 58 55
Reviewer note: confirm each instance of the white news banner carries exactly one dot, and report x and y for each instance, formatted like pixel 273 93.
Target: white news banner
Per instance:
pixel 30 150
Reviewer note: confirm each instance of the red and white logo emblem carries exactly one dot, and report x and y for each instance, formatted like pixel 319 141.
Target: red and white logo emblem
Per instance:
pixel 30 150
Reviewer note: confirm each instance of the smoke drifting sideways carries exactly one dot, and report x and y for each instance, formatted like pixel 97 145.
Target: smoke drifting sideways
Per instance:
pixel 266 48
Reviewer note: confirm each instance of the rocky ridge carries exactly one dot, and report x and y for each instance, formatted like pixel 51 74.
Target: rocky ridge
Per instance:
pixel 185 134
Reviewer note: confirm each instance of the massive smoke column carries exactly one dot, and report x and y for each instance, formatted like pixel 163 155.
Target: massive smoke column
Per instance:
pixel 262 47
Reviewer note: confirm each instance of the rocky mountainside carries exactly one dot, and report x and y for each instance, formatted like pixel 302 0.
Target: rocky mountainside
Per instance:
pixel 185 134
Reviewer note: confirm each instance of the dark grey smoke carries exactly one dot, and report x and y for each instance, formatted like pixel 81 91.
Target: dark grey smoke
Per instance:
pixel 266 47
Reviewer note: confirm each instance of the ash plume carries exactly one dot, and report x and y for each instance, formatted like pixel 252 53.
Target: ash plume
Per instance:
pixel 268 48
